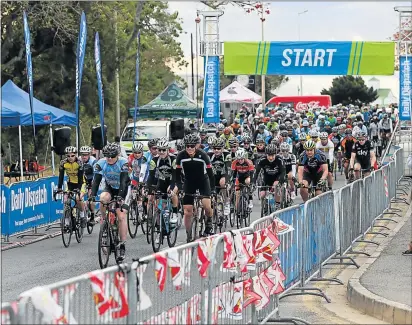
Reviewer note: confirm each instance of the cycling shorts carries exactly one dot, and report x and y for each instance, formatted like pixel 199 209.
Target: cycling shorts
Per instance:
pixel 240 180
pixel 190 188
pixel 312 178
pixel 365 165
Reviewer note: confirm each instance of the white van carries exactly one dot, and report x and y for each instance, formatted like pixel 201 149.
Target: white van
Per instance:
pixel 146 130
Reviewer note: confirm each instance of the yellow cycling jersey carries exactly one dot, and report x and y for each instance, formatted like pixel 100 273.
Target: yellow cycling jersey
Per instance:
pixel 72 170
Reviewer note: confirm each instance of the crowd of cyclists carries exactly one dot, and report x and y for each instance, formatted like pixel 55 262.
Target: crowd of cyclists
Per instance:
pixel 259 151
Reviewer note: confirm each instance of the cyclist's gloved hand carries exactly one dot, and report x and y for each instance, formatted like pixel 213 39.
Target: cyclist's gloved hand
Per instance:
pixel 92 198
pixel 322 182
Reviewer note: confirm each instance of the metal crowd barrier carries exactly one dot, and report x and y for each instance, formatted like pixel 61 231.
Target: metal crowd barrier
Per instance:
pixel 202 283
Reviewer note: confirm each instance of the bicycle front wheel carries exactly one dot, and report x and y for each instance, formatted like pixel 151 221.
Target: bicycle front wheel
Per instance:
pixel 150 213
pixel 66 226
pixel 104 245
pixel 156 231
pixel 132 219
pixel 79 230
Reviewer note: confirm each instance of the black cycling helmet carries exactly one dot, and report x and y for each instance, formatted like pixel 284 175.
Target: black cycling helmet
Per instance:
pixel 271 149
pixel 111 149
pixel 191 139
pixel 348 131
pixel 152 143
pixel 282 127
pixel 180 145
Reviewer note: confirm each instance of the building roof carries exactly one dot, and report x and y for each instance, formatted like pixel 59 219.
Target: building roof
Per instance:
pixel 373 79
pixel 384 92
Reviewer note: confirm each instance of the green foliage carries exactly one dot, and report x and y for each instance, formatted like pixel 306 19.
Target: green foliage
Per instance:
pixel 350 90
pixel 54 27
pixel 272 83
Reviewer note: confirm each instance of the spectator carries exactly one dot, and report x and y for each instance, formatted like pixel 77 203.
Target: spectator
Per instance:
pixel 409 250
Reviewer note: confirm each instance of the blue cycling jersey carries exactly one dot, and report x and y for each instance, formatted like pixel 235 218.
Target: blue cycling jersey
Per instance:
pixel 149 157
pixel 88 168
pixel 111 173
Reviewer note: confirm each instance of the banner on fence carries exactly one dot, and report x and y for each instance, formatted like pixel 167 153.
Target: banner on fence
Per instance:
pixel 309 58
pixel 5 208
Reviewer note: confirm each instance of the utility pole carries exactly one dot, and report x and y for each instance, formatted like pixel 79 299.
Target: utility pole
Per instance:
pixel 117 77
pixel 300 77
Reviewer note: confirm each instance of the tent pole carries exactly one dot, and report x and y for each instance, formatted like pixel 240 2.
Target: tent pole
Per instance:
pixel 21 154
pixel 52 151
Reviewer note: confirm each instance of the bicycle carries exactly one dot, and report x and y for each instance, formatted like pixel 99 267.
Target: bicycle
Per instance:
pixel 109 233
pixel 198 217
pixel 242 210
pixel 285 194
pixel 135 215
pixel 70 220
pixel 219 218
pixel 88 212
pixel 312 189
pixel 161 222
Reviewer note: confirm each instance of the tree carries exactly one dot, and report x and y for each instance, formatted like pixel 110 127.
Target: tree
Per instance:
pixel 272 83
pixel 350 90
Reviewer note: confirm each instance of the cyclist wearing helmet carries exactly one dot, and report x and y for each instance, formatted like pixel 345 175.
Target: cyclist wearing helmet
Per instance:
pixel 242 170
pixel 289 160
pixel 73 167
pixel 327 147
pixel 247 146
pixel 152 152
pixel 221 164
pixel 219 130
pixel 273 172
pixel 374 134
pixel 298 147
pixel 234 146
pixel 227 136
pixel 260 133
pixel 235 125
pixel 136 160
pixel 162 169
pixel 305 127
pixel 312 170
pixel 197 168
pixel 314 135
pixel 115 171
pixel 347 145
pixel 272 124
pixel 259 151
pixel 362 157
pixel 88 162
pixel 284 138
pixel 203 140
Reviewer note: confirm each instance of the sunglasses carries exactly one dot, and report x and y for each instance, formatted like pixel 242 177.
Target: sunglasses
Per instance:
pixel 362 139
pixel 233 147
pixel 190 146
pixel 85 154
pixel 217 148
pixel 153 148
pixel 112 156
pixel 162 150
pixel 70 156
pixel 138 152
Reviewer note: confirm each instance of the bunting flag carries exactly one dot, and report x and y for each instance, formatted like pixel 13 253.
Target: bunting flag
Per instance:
pixel 160 269
pixel 205 252
pixel 99 81
pixel 143 300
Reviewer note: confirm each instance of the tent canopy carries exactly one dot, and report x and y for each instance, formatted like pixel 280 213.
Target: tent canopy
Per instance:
pixel 171 103
pixel 15 109
pixel 236 93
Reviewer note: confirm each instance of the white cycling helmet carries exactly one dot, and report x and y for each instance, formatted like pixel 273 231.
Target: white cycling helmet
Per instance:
pixel 163 144
pixel 241 154
pixel 70 149
pixel 137 147
pixel 85 149
pixel 323 135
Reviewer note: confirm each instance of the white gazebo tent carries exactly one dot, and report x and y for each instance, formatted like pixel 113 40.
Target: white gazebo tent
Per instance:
pixel 234 96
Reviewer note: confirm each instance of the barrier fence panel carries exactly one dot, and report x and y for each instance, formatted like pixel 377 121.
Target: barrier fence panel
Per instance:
pixel 347 224
pixel 369 203
pixel 8 313
pixel 355 207
pixel 403 139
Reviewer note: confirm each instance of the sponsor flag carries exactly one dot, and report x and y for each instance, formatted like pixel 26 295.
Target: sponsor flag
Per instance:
pixel 99 81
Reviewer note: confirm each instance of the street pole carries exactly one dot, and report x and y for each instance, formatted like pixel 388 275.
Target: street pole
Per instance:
pixel 191 62
pixel 117 78
pixel 300 77
pixel 262 19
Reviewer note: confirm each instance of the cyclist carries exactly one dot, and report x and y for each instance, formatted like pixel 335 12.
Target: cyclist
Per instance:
pixel 247 145
pixel 203 140
pixel 374 133
pixel 136 160
pixel 362 157
pixel 327 147
pixel 242 170
pixel 289 161
pixel 259 151
pixel 313 169
pixel 152 152
pixel 234 146
pixel 273 172
pixel 314 135
pixel 260 133
pixel 115 171
pixel 73 167
pixel 197 168
pixel 298 148
pixel 385 129
pixel 221 164
pixel 88 162
pixel 227 136
pixel 347 144
pixel 161 173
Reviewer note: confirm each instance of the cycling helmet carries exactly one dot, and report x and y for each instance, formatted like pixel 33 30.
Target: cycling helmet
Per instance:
pixel 302 136
pixel 226 131
pixel 163 144
pixel 191 139
pixel 241 154
pixel 261 127
pixel 271 149
pixel 361 134
pixel 327 123
pixel 289 127
pixel 342 126
pixel 180 145
pixel 334 129
pixel 348 131
pixel 152 143
pixel 305 123
pixel 284 133
pixel 111 150
pixel 323 135
pixel 236 121
pixel 224 122
pixel 313 134
pixel 284 147
pixel 282 127
pixel 85 149
pixel 137 147
pixel 70 149
pixel 273 119
pixel 211 140
pixel 202 131
pixel 246 139
pixel 220 127
pixel 277 139
pixel 321 117
pixel 219 143
pixel 260 140
pixel 233 142
pixel 309 145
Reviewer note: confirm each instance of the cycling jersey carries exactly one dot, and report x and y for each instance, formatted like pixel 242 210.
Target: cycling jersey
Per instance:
pixel 220 163
pixel 327 149
pixel 258 135
pixel 136 166
pixel 88 169
pixel 290 163
pixel 116 177
pixel 242 170
pixel 272 170
pixel 363 154
pixel 149 157
pixel 162 169
pixel 258 154
pixel 74 171
pixel 312 165
pixel 385 125
pixel 347 146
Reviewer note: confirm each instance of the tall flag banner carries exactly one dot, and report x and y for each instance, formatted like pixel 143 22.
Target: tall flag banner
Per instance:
pixel 81 50
pixel 405 87
pixel 211 105
pixel 29 73
pixel 136 96
pixel 99 80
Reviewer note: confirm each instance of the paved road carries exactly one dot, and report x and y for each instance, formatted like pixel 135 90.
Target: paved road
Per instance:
pixel 48 261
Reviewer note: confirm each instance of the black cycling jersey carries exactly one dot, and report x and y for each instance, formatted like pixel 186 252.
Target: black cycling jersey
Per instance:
pixel 298 149
pixel 196 168
pixel 313 165
pixel 272 170
pixel 221 163
pixel 162 169
pixel 289 161
pixel 363 154
pixel 257 154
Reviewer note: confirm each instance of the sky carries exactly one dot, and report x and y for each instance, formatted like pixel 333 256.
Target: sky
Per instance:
pixel 323 21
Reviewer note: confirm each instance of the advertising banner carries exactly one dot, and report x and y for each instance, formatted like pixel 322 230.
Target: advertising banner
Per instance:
pixel 56 207
pixel 405 87
pixel 99 81
pixel 5 208
pixel 31 204
pixel 211 91
pixel 309 58
pixel 136 94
